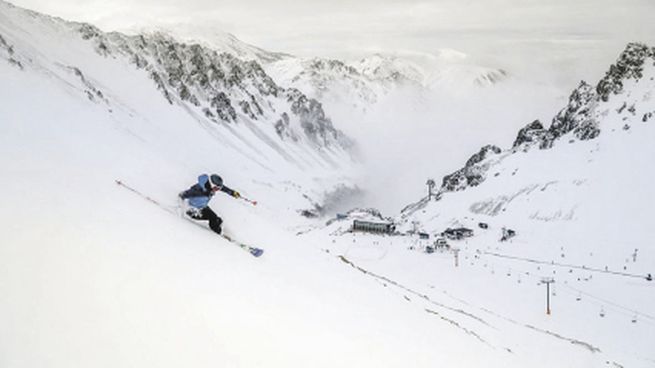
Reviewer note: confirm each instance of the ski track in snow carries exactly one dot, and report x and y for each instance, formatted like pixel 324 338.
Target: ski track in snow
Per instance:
pixel 386 281
pixel 413 292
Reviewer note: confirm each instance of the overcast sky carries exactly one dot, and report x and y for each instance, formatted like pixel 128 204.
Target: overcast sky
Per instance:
pixel 562 33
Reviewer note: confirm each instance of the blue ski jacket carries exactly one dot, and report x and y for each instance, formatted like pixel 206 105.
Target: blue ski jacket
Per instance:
pixel 200 194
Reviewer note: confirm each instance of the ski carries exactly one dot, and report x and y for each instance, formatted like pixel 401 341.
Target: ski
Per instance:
pixel 252 250
pixel 257 252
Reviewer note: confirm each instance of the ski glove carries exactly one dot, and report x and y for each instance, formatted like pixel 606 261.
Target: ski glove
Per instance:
pixel 236 194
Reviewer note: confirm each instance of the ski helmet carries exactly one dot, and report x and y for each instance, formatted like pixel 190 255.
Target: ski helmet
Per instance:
pixel 216 180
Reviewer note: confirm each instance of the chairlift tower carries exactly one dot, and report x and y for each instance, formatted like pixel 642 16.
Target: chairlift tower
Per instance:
pixel 431 184
pixel 456 254
pixel 547 281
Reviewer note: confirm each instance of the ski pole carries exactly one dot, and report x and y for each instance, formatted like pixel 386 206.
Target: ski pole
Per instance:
pixel 254 203
pixel 147 198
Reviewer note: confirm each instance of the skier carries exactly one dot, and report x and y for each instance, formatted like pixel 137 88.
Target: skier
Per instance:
pixel 198 196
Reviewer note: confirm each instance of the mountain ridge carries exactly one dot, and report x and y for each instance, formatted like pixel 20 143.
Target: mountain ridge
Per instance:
pixel 578 119
pixel 216 87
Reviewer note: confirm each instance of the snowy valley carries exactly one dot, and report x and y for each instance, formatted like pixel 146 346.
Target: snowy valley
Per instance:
pixel 577 200
pixel 95 275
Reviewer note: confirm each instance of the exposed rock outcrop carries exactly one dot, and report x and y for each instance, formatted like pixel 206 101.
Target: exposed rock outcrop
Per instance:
pixel 222 87
pixel 472 174
pixel 630 65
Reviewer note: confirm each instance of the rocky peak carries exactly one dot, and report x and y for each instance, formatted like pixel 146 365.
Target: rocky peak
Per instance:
pixel 323 74
pixel 629 66
pixel 7 52
pixel 484 152
pixel 491 77
pixel 209 36
pixel 317 65
pixel 580 115
pixel 529 134
pixel 472 174
pixel 226 89
pixel 389 69
pixel 315 124
pixel 577 117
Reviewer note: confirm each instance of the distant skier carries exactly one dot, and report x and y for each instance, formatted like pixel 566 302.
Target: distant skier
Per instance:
pixel 198 196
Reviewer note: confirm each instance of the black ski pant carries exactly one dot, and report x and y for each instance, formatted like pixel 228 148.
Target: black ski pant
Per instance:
pixel 207 214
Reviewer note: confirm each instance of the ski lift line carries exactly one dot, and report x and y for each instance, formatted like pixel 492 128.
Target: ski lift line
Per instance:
pixel 498 266
pixel 618 309
pixel 607 302
pixel 529 274
pixel 624 274
pixel 536 277
pixel 629 312
pixel 601 302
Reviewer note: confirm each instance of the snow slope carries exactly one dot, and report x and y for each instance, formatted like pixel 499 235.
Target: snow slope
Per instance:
pixel 189 101
pixel 94 275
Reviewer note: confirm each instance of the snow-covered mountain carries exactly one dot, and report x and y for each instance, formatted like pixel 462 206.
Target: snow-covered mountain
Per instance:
pixel 390 70
pixel 359 85
pixel 155 82
pixel 590 111
pixel 220 86
pixel 331 81
pixel 569 204
pixel 213 38
pixel 577 196
pixel 226 89
pixel 587 158
pixel 95 275
pixel 461 77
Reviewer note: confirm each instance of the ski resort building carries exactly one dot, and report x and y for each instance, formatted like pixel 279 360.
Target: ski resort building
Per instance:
pixel 457 234
pixel 374 227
